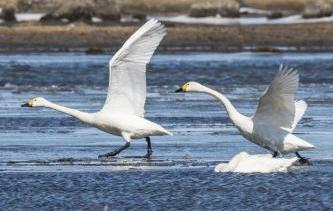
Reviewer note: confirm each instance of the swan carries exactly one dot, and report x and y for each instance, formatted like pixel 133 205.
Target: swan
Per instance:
pixel 245 163
pixel 123 111
pixel 276 116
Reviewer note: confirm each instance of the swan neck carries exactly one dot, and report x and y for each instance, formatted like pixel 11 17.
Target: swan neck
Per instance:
pixel 82 116
pixel 231 110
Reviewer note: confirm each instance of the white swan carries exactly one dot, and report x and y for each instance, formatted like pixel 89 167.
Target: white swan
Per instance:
pixel 245 163
pixel 123 111
pixel 275 119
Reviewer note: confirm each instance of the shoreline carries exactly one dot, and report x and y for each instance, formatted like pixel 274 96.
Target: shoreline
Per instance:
pixel 198 49
pixel 80 37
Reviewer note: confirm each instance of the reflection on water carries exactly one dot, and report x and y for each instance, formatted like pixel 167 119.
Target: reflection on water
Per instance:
pixel 42 140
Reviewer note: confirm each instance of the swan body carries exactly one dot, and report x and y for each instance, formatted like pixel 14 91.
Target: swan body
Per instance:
pixel 245 163
pixel 136 127
pixel 276 117
pixel 123 111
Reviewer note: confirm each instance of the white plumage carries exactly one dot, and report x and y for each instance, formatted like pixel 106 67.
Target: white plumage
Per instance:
pixel 277 105
pixel 123 111
pixel 127 83
pixel 245 163
pixel 276 116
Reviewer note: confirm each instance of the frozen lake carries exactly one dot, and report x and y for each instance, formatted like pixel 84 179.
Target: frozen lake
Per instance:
pixel 49 161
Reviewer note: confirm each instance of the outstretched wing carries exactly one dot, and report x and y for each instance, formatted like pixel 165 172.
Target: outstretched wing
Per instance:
pixel 300 107
pixel 127 82
pixel 277 106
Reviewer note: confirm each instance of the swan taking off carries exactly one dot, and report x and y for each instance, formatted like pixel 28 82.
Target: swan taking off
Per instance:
pixel 276 117
pixel 123 111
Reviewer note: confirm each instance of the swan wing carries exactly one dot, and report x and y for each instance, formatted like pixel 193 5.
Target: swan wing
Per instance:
pixel 127 82
pixel 301 107
pixel 277 105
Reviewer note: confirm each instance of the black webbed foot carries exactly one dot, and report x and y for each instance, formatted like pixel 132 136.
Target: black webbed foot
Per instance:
pixel 275 154
pixel 114 152
pixel 302 160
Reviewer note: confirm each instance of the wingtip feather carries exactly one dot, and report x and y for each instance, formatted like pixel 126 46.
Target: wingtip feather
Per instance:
pixel 285 70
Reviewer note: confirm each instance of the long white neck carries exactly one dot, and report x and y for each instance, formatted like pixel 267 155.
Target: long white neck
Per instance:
pixel 82 116
pixel 234 115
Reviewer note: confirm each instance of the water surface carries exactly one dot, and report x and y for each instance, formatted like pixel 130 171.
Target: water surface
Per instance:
pixel 49 160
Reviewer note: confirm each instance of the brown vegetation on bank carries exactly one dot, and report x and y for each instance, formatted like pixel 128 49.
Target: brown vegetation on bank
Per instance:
pixel 297 5
pixel 4 3
pixel 112 10
pixel 318 8
pixel 309 37
pixel 165 7
pixel 226 8
pixel 111 35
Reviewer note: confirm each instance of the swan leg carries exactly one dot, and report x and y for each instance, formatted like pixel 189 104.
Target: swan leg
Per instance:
pixel 302 160
pixel 116 151
pixel 149 148
pixel 275 154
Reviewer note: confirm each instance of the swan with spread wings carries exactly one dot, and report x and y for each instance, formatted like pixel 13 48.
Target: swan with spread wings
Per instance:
pixel 276 117
pixel 123 111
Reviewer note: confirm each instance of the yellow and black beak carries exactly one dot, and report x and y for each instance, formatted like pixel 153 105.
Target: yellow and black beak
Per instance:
pixel 181 89
pixel 27 104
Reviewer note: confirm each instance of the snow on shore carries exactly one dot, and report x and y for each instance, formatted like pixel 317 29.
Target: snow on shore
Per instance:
pixel 184 19
pixel 23 17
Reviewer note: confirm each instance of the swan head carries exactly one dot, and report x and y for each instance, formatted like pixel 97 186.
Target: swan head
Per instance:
pixel 190 87
pixel 35 102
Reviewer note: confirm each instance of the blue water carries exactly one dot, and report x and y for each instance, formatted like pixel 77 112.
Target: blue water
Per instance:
pixel 48 161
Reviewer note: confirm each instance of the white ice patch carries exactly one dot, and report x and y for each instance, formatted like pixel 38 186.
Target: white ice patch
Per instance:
pixel 245 163
pixel 22 17
pixel 249 10
pixel 96 20
pixel 293 19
